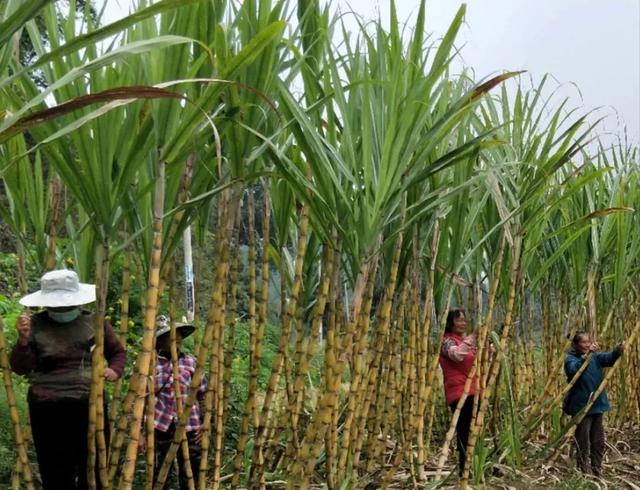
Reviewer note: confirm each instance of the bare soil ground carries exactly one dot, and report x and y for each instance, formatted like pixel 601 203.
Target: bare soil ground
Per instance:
pixel 621 469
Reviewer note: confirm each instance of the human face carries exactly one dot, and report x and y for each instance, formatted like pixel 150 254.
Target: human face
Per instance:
pixel 164 342
pixel 584 343
pixel 61 309
pixel 459 324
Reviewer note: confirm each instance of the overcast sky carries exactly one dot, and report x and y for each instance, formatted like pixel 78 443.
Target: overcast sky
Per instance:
pixel 593 44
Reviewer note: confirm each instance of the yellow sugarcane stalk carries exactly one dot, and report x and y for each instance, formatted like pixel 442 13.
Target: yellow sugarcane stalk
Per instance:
pixel 552 367
pixel 143 363
pixel 16 476
pixel 256 350
pixel 477 424
pixel 218 391
pixel 124 419
pixel 356 385
pixel 257 466
pixel 397 459
pixel 311 445
pixel 427 390
pixel 232 315
pixel 296 406
pixel 217 380
pixel 205 443
pixel 592 302
pixel 413 282
pixel 293 389
pixel 21 447
pixel 55 205
pixel 175 373
pixel 150 429
pixel 251 265
pixel 96 437
pixel 370 382
pixel 117 439
pixel 388 396
pixel 124 327
pixel 424 339
pixel 333 314
pixel 215 319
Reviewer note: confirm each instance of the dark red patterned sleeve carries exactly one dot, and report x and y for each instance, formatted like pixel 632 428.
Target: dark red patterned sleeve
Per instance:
pixel 113 350
pixel 23 359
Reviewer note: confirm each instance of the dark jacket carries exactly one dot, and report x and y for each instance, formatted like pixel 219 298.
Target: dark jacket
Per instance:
pixel 590 379
pixel 57 360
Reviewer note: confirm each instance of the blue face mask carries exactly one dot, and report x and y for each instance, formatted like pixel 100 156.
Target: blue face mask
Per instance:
pixel 64 316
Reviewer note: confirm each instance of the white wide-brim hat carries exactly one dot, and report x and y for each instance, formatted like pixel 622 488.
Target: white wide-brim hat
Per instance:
pixel 60 288
pixel 164 327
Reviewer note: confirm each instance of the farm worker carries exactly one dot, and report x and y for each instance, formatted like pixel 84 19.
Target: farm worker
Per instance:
pixel 457 355
pixel 166 413
pixel 589 436
pixel 54 350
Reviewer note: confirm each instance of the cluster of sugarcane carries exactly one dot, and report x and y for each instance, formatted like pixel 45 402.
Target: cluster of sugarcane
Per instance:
pixel 388 191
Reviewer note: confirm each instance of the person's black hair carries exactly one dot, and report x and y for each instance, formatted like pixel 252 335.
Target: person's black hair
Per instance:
pixel 452 315
pixel 579 334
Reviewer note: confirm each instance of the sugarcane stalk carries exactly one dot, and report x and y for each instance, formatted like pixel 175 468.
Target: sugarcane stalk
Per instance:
pixel 96 438
pixel 427 390
pixel 123 333
pixel 175 372
pixel 256 350
pixel 118 437
pixel 124 419
pixel 311 445
pixel 416 415
pixel 139 384
pixel 592 289
pixel 207 410
pixel 478 423
pixel 370 380
pixel 21 445
pixel 251 270
pixel 16 475
pixel 296 406
pixel 232 316
pixel 55 205
pixel 215 319
pixel 356 387
pixel 388 391
pixel 215 392
pixel 330 353
pixel 424 338
pixel 218 379
pixel 257 466
pixel 150 429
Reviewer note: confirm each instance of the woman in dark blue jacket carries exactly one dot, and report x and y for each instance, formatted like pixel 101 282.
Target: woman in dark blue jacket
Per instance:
pixel 590 431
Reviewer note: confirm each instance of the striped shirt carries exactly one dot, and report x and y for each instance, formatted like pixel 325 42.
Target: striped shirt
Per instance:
pixel 165 407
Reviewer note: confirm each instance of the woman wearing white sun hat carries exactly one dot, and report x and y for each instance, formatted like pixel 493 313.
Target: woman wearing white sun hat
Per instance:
pixel 54 351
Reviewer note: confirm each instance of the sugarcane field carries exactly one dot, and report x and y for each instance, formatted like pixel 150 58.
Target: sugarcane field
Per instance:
pixel 279 244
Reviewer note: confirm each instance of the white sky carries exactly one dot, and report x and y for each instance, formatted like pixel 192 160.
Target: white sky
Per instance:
pixel 593 44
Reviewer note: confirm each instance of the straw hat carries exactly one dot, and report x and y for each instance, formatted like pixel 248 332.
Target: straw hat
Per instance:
pixel 164 326
pixel 60 288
